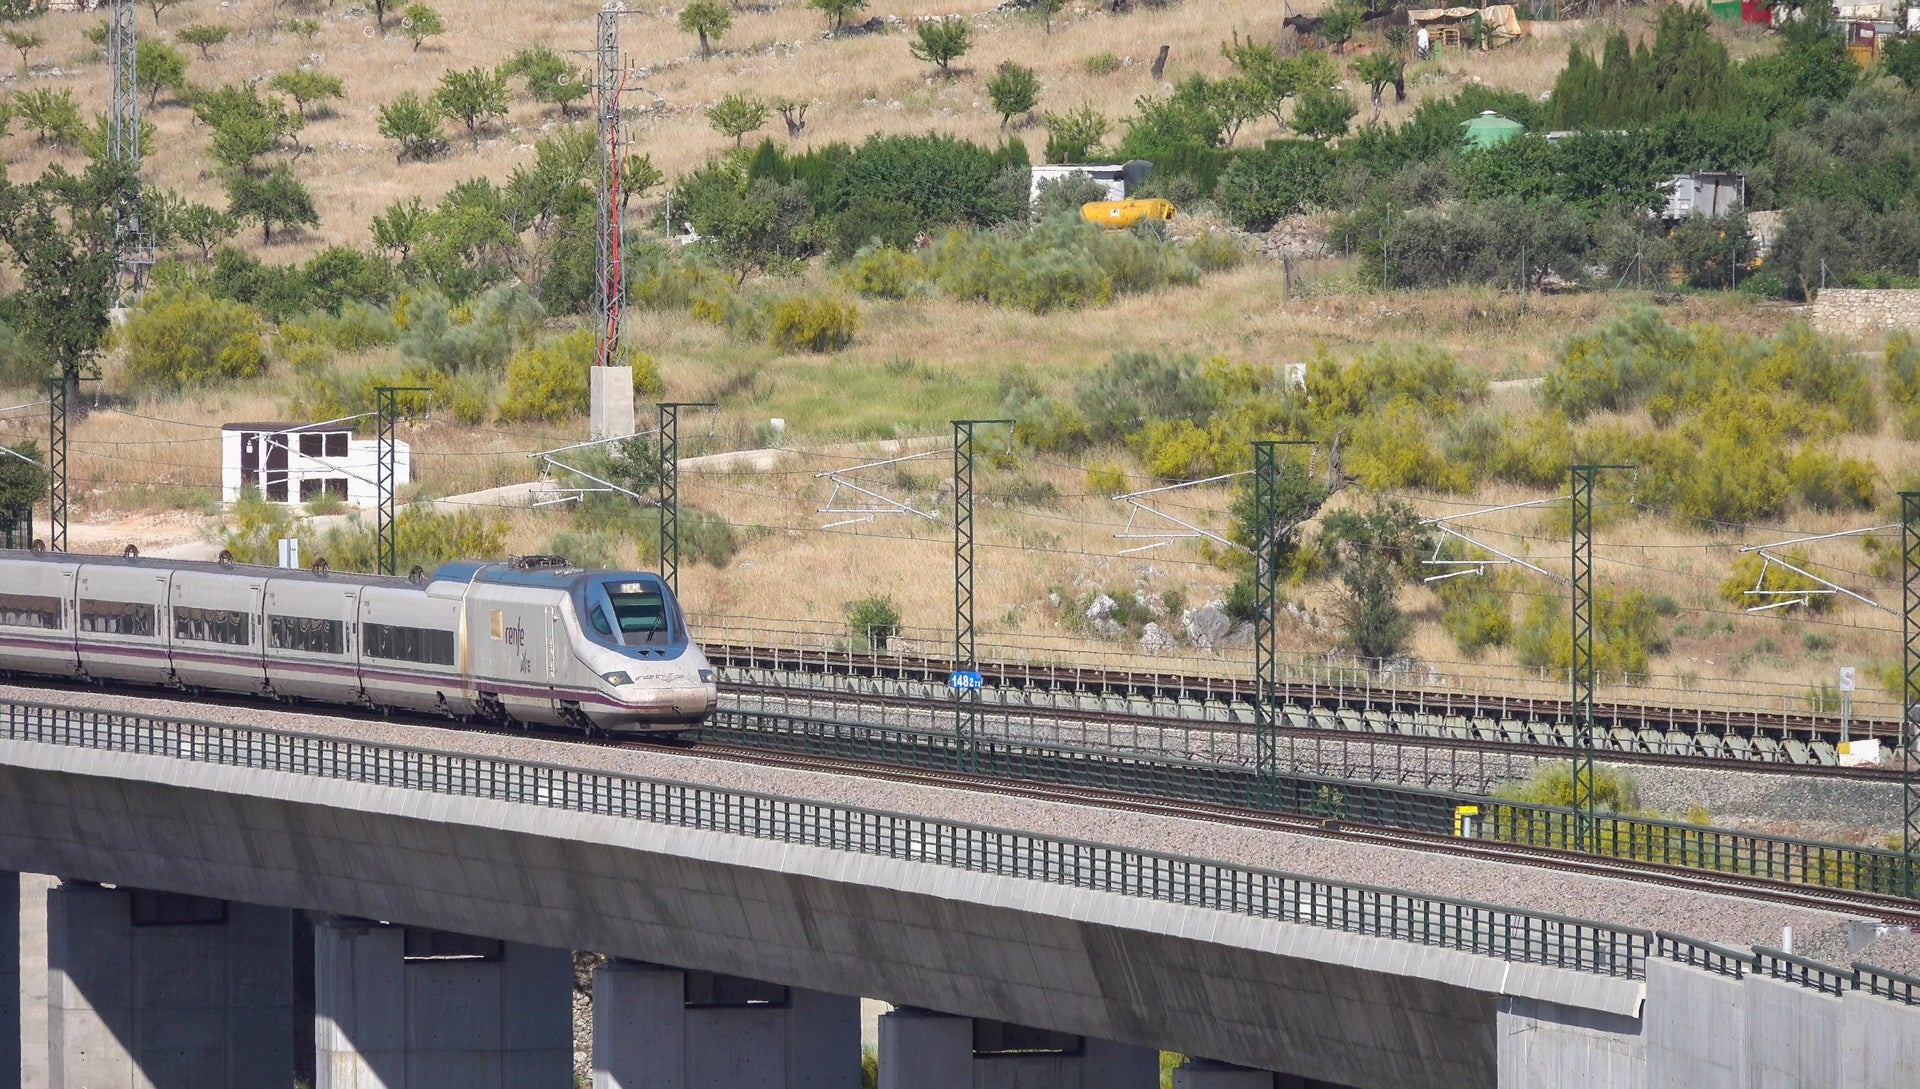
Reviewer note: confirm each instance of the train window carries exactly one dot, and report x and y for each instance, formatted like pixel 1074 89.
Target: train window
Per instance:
pixel 600 624
pixel 29 611
pixel 116 617
pixel 310 634
pixel 640 610
pixel 230 626
pixel 429 645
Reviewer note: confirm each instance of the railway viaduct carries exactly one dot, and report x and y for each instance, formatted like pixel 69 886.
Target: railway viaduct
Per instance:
pixel 450 887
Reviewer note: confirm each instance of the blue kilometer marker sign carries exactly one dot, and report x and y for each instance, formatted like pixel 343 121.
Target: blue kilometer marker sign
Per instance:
pixel 963 679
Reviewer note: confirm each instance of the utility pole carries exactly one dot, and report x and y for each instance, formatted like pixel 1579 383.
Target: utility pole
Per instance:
pixel 1586 820
pixel 57 462
pixel 609 74
pixel 1266 564
pixel 1910 690
pixel 386 542
pixel 670 490
pixel 132 249
pixel 965 679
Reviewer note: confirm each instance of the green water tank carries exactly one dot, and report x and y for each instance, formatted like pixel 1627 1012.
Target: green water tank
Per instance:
pixel 1489 129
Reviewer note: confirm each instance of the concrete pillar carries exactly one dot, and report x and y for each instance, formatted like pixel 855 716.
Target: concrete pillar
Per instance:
pixel 9 980
pixel 656 1027
pixel 921 1049
pixel 1207 1074
pixel 173 992
pixel 401 1008
pixel 1545 1045
pixel 1880 1042
pixel 33 979
pixel 1793 1035
pixel 609 402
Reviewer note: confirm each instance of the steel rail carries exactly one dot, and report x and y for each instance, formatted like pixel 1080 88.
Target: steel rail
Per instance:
pixel 1236 691
pixel 1530 750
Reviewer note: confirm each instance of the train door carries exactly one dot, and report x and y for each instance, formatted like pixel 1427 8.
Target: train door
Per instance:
pixel 553 644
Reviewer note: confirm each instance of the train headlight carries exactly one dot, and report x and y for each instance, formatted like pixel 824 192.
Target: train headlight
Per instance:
pixel 616 678
pixel 706 676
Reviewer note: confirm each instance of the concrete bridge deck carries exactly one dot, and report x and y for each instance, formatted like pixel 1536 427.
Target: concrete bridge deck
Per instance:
pixel 1340 982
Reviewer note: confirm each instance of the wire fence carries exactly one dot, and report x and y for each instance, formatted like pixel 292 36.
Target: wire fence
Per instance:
pixel 1466 926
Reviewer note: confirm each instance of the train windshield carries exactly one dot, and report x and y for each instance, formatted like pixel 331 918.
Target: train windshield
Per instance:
pixel 635 614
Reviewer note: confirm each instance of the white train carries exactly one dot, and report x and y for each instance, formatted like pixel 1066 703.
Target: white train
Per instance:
pixel 535 640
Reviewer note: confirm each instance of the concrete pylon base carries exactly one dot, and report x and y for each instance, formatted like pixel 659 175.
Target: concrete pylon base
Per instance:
pixel 921 1049
pixel 655 1026
pixel 609 402
pixel 155 989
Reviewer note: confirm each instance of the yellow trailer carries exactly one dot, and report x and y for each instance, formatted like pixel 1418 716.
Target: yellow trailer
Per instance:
pixel 1115 214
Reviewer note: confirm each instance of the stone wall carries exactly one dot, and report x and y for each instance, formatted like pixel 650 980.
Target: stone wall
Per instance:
pixel 1855 312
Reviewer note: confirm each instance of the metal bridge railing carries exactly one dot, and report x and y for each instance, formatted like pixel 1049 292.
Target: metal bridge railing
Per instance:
pixel 1483 929
pixel 1643 839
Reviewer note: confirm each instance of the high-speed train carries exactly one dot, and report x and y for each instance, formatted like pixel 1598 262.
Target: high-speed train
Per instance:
pixel 534 640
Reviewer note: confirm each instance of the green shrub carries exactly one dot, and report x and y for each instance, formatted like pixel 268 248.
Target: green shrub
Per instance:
pixel 1614 791
pixel 706 537
pixel 814 323
pixel 874 620
pixel 1215 251
pixel 587 549
pixel 1475 613
pixel 185 338
pixel 1103 63
pixel 1280 179
pixel 1901 374
pixel 1626 633
pixel 884 271
pixel 478 336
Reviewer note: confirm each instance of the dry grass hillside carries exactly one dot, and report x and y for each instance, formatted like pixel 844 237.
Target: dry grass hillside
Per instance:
pixel 146 467
pixel 855 84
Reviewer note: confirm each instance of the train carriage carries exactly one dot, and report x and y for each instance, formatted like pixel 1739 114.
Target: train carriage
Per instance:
pixel 410 647
pixel 36 618
pixel 215 637
pixel 310 624
pixel 502 641
pixel 119 615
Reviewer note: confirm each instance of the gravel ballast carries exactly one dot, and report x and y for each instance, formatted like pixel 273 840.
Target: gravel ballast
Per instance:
pixel 1727 919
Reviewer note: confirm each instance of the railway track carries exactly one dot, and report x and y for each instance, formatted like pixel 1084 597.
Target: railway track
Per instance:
pixel 1885 908
pixel 1231 692
pixel 1146 722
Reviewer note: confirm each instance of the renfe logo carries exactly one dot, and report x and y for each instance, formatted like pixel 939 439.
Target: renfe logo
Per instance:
pixel 516 635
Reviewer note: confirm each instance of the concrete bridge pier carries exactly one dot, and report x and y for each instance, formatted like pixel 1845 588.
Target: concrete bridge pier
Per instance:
pixel 9 980
pixel 659 1026
pixel 408 1008
pixel 170 991
pixel 1208 1074
pixel 921 1049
